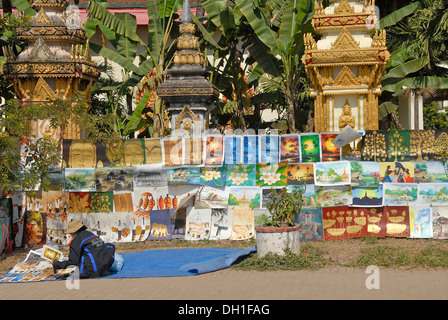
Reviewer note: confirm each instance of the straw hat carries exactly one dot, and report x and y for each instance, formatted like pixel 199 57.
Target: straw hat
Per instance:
pixel 74 226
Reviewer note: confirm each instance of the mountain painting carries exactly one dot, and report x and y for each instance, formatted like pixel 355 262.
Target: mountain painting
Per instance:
pixel 400 194
pixel 432 193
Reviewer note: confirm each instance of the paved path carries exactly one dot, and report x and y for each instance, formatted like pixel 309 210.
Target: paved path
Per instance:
pixel 228 284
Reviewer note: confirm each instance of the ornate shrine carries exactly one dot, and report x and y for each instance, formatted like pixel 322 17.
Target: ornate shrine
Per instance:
pixel 55 62
pixel 345 65
pixel 188 94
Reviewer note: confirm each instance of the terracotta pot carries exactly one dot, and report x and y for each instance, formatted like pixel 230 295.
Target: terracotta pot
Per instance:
pixel 277 240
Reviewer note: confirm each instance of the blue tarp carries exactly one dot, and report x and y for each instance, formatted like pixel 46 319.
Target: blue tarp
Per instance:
pixel 177 262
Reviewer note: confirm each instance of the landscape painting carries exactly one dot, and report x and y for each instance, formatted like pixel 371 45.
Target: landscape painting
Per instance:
pixel 290 148
pixel 433 193
pixel 330 196
pixel 430 172
pixel 310 147
pixel 365 174
pixel 77 179
pixel 330 152
pixel 400 194
pixel 367 196
pixel 300 173
pixel 332 173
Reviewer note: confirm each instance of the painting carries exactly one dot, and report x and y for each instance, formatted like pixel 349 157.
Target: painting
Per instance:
pixel 310 147
pixel 149 176
pixel 365 174
pixel 300 173
pixel 430 172
pixel 243 227
pixel 153 151
pixel 114 179
pixel 441 145
pixel 400 194
pixel 433 194
pixel 420 221
pixel 160 225
pixel 290 148
pixel 211 197
pixel 197 226
pixel 80 179
pixel 375 146
pixel 241 175
pixel 214 150
pixel 134 152
pixel 440 222
pixel 99 224
pixel 178 221
pixel 329 196
pixel 82 154
pixel 245 197
pixel 308 194
pixel 399 145
pixel 332 173
pixel 366 196
pixel 221 224
pixel 397 172
pixel 148 199
pixel 422 145
pixel 311 225
pixel 343 222
pixel 172 152
pixel 271 174
pixel 184 175
pixel 123 201
pixel 269 148
pixel 250 150
pixel 330 152
pixel 120 227
pixel 79 202
pixel 214 176
pixel 397 221
pixel 193 151
pixel 232 149
pixel 376 222
pixel 101 202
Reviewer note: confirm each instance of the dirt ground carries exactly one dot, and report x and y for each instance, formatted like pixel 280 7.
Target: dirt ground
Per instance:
pixel 339 251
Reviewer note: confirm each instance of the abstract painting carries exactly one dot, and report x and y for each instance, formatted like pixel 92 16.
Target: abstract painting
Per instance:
pixel 232 149
pixel 250 150
pixel 269 148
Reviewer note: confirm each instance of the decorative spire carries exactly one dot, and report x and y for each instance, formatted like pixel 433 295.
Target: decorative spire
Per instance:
pixel 186 12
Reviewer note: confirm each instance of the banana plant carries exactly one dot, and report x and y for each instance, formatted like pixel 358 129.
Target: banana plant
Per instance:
pixel 120 29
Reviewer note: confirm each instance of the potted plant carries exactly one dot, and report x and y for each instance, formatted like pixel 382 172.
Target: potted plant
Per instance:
pixel 280 232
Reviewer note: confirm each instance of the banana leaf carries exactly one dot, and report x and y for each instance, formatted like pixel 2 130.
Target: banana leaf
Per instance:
pixel 136 117
pixel 126 47
pixel 24 5
pixel 406 68
pixel 398 15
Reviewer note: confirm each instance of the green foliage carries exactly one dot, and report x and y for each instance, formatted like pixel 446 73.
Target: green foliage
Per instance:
pixel 284 207
pixel 434 117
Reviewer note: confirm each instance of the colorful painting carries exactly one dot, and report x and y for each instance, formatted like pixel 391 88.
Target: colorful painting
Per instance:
pixel 184 176
pixel 375 145
pixel 433 194
pixel 214 176
pixel 440 222
pixel 198 223
pixel 400 194
pixel 300 173
pixel 365 174
pixel 397 223
pixel 420 222
pixel 101 202
pixel 147 200
pixel 376 222
pixel 114 179
pixel 244 197
pixel 35 228
pixel 271 175
pixel 330 152
pixel 210 197
pixel 178 221
pixel 172 152
pixel 160 225
pixel 120 227
pixel 193 151
pixel 290 148
pixel 310 147
pixel 330 196
pixel 308 194
pixel 311 225
pixel 79 202
pixel 232 149
pixel 363 196
pixel 397 172
pixel 399 145
pixel 221 224
pixel 344 222
pixel 81 154
pixel 80 179
pixel 422 145
pixel 441 145
pixel 332 173
pixel 214 150
pixel 250 150
pixel 430 171
pixel 241 175
pixel 269 148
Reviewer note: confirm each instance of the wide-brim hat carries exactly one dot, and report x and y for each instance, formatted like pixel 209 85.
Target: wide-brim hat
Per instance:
pixel 74 226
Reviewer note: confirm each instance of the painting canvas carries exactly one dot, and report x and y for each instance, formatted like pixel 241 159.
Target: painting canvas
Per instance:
pixel 400 194
pixel 290 148
pixel 214 150
pixel 134 152
pixel 399 145
pixel 374 147
pixel 420 222
pixel 311 225
pixel 178 221
pixel 153 151
pixel 329 196
pixel 397 172
pixel 271 174
pixel 114 179
pixel 160 225
pixel 332 173
pixel 214 176
pixel 172 152
pixel 367 196
pixel 123 201
pixel 365 173
pixel 100 225
pixel 149 199
pixel 330 152
pixel 308 194
pixel 440 222
pixel 101 201
pixel 193 151
pixel 232 149
pixel 269 148
pixel 433 194
pixel 300 173
pixel 430 172
pixel 221 224
pixel 79 202
pixel 80 179
pixel 249 149
pixel 376 222
pixel 184 175
pixel 310 147
pixel 243 227
pixel 198 223
pixel 397 223
pixel 120 226
pixel 211 197
pixel 149 176
pixel 241 175
pixel 343 222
